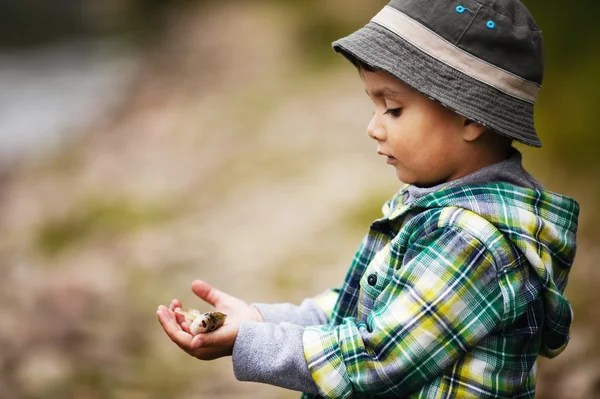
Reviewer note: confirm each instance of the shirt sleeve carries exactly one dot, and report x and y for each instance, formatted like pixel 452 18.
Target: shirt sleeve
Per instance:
pixel 437 305
pixel 312 311
pixel 272 354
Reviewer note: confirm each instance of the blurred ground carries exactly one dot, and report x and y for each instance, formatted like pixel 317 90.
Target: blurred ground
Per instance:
pixel 230 154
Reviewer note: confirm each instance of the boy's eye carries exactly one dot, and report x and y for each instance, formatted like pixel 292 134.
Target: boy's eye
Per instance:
pixel 395 112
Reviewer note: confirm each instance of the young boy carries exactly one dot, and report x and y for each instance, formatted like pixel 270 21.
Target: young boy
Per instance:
pixel 458 288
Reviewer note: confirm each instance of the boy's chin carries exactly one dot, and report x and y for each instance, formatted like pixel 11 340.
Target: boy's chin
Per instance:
pixel 415 181
pixel 406 178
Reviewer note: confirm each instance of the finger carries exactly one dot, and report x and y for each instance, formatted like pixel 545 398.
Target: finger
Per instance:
pixel 165 311
pixel 175 303
pixel 179 318
pixel 217 338
pixel 208 293
pixel 163 315
pixel 181 338
pixel 200 341
pixel 172 315
pixel 184 340
pixel 167 318
pixel 185 326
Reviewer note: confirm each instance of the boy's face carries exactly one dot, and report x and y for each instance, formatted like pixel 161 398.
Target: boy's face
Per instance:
pixel 421 138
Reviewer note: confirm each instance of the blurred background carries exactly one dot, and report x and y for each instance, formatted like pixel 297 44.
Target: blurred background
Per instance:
pixel 147 143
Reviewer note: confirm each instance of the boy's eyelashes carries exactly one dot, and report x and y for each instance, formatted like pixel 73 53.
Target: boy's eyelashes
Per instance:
pixel 395 112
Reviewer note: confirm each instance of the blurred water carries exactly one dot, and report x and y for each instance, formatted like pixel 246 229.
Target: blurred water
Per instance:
pixel 49 93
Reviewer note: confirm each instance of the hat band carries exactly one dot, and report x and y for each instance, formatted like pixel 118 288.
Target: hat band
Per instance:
pixel 436 46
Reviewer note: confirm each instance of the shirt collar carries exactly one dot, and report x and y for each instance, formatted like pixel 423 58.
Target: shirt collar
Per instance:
pixel 509 170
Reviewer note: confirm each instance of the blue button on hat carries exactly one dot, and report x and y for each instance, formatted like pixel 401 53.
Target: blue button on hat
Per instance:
pixel 483 59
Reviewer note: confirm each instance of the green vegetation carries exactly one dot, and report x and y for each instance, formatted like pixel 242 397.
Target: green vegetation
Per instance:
pixel 98 216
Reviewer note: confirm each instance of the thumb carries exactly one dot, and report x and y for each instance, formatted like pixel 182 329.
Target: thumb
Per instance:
pixel 208 293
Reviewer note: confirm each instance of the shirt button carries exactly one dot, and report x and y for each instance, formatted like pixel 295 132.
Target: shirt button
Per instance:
pixel 372 280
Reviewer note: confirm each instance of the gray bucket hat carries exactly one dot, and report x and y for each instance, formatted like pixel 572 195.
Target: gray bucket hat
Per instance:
pixel 483 59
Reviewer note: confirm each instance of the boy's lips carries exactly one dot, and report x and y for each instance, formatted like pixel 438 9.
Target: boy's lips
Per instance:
pixel 390 159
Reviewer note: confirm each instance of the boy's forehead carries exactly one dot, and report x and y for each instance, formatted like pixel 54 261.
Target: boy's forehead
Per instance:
pixel 386 91
pixel 382 84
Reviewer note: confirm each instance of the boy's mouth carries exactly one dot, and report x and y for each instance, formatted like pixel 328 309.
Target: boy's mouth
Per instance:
pixel 389 159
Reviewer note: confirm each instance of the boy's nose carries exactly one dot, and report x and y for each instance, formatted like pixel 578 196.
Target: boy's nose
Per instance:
pixel 375 130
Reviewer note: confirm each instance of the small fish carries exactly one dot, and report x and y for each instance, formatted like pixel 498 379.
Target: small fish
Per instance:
pixel 201 323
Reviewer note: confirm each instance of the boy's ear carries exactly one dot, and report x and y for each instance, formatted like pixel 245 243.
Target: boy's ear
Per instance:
pixel 472 130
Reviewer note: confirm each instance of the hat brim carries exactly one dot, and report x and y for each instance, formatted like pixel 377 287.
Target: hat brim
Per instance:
pixel 382 49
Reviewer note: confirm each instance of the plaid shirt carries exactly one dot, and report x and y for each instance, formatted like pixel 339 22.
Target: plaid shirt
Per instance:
pixel 453 295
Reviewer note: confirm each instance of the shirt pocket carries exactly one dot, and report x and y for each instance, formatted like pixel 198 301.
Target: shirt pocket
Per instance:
pixel 376 277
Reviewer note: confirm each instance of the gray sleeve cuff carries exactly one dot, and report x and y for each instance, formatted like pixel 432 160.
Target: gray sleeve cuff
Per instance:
pixel 272 354
pixel 307 314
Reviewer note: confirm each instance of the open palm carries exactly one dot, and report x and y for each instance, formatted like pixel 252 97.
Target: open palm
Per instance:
pixel 207 346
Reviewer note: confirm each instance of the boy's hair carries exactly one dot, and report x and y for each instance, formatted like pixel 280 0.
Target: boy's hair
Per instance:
pixel 359 64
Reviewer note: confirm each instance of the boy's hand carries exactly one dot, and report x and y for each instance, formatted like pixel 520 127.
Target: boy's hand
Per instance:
pixel 207 346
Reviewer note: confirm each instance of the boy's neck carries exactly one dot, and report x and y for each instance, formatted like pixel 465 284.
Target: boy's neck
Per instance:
pixel 482 159
pixel 509 170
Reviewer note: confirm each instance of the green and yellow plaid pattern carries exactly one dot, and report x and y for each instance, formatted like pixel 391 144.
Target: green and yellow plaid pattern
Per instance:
pixel 456 302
